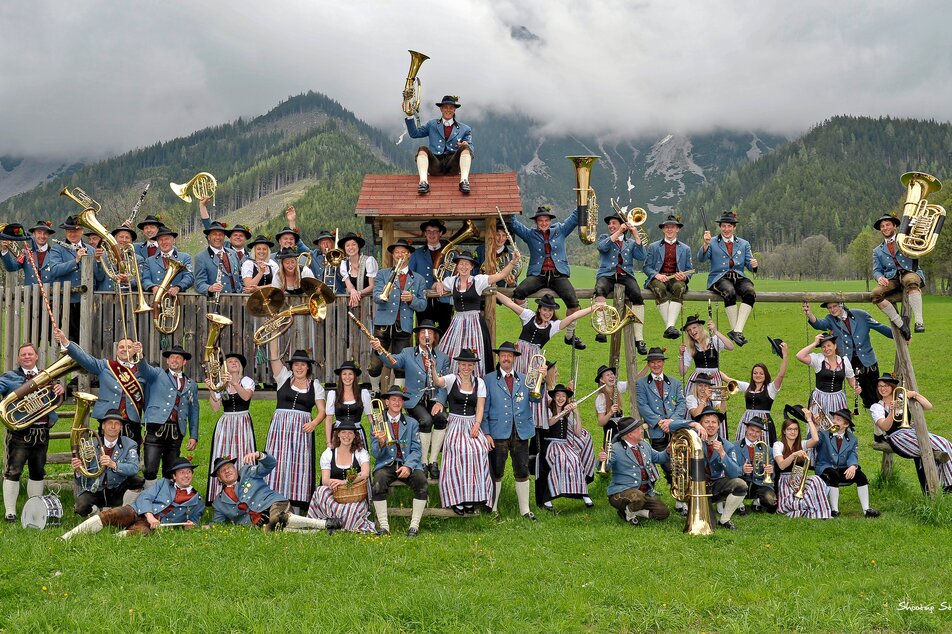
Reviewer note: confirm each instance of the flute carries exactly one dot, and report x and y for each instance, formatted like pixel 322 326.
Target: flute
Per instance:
pixel 369 334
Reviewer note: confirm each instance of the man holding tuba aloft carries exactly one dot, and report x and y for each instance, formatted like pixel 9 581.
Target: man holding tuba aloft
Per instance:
pixel 616 255
pixel 896 272
pixel 119 455
pixel 634 474
pixel 449 150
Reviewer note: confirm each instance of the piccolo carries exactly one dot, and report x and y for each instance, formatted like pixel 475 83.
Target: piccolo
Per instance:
pixel 566 412
pixel 369 334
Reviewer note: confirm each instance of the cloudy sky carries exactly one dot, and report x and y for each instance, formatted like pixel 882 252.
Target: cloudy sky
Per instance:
pixel 93 77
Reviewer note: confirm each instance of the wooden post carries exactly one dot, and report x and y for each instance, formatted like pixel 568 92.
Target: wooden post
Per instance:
pixel 386 239
pixel 489 253
pixel 916 415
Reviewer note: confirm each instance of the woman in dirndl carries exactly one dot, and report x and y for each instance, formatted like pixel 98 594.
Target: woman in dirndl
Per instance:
pixel 234 434
pixel 291 435
pixel 289 274
pixel 467 329
pixel 790 449
pixel 465 480
pixel 569 463
pixel 703 351
pixel 345 457
pixel 347 402
pixel 760 393
pixel 358 271
pixel 259 270
pixel 831 370
pixel 538 327
pixel 903 440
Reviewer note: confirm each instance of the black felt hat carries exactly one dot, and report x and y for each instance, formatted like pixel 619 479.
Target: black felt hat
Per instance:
pixel 221 462
pixel 626 425
pixel 164 231
pixel 150 220
pixel 507 346
pixel 42 225
pixel 693 319
pixel 888 378
pixel 433 222
pixel 775 346
pixel 602 369
pixel 401 243
pixel 729 217
pixel 300 355
pixel 881 219
pixel 395 391
pixel 177 349
pixel 449 100
pixel 349 365
pixel 286 231
pixel 466 355
pixel 547 301
pixel 709 410
pixel 794 412
pixel 14 232
pixel 671 220
pixel 544 211
pixel 826 337
pixel 216 226
pixel 561 388
pixel 757 422
pixel 237 355
pixel 350 235
pixel 179 463
pixel 70 223
pixel 240 229
pixel 260 239
pixel 655 354
pixel 129 230
pixel 323 235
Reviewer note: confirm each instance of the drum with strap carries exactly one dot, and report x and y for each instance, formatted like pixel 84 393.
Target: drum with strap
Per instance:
pixel 42 511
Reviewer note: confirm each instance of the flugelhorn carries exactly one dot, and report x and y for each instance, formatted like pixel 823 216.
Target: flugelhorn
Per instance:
pixel 585 197
pixel 213 362
pixel 169 311
pixel 202 185
pixel 35 398
pixel 607 321
pixel 412 89
pixel 688 480
pixel 535 375
pixel 378 422
pixel 921 221
pixel 80 439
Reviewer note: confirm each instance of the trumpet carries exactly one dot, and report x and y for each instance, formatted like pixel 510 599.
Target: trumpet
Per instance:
pixel 762 459
pixel 35 398
pixel 202 185
pixel 636 216
pixel 725 391
pixel 603 467
pixel 166 320
pixel 412 88
pixel 80 439
pixel 798 476
pixel 388 287
pixel 535 375
pixel 378 422
pixel 901 407
pixel 606 320
pixel 921 221
pixel 585 197
pixel 214 364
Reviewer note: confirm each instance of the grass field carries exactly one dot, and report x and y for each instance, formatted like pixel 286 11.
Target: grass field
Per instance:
pixel 575 571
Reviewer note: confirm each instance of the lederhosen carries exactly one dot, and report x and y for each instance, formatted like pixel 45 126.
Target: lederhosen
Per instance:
pixel 27 447
pixel 867 377
pixel 391 336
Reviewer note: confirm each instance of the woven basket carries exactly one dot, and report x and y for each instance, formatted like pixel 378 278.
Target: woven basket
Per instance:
pixel 349 493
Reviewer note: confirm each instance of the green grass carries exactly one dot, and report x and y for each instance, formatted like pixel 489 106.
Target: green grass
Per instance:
pixel 576 571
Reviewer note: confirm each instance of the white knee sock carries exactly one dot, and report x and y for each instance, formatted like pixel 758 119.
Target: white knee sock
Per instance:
pixel 465 160
pixel 639 326
pixel 663 309
pixel 296 521
pixel 731 315
pixel 91 525
pixel 674 311
pixel 834 497
pixel 915 303
pixel 743 312
pixel 418 507
pixel 437 445
pixel 422 165
pixel 863 493
pixel 400 383
pixel 522 495
pixel 643 513
pixel 425 446
pixel 890 312
pixel 11 491
pixel 731 504
pixel 497 489
pixel 130 496
pixel 383 520
pixel 34 488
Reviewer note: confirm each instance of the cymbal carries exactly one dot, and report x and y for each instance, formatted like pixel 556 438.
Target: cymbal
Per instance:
pixel 266 302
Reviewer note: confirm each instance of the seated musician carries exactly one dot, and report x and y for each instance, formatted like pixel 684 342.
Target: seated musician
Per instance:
pixel 754 471
pixel 632 463
pixel 502 252
pixel 723 470
pixel 894 271
pixel 25 446
pixel 398 461
pixel 617 253
pixel 159 263
pixel 449 150
pixel 345 463
pixel 393 320
pixel 119 454
pixel 247 500
pixel 170 501
pixel 566 461
pixel 259 269
pixel 729 256
pixel 608 403
pixel 666 264
pixel 837 462
pixel 903 440
pixel 791 450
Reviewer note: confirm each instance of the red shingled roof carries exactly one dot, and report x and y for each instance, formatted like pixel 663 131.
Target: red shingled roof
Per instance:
pixel 396 195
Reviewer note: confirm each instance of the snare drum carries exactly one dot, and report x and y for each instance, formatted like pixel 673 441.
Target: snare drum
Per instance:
pixel 42 511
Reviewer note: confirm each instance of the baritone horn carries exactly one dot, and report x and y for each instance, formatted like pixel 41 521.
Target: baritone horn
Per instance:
pixel 202 185
pixel 535 375
pixel 585 199
pixel 80 439
pixel 169 311
pixel 412 89
pixel 688 480
pixel 316 306
pixel 921 221
pixel 35 398
pixel 213 362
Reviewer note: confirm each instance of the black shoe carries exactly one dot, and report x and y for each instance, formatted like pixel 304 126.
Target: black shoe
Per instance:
pixel 575 341
pixel 458 509
pixel 729 525
pixel 333 524
pixel 548 506
pixel 904 329
pixel 641 347
pixel 948 489
pixel 11 518
pixel 434 471
pixel 742 509
pixel 464 187
pixel 423 188
pixel 469 509
pixel 413 532
pixel 871 513
pixel 621 514
pixel 681 509
pixel 671 333
pixel 633 521
pixel 920 328
pixel 834 513
pixel 383 532
pixel 601 339
pixel 737 337
pixel 530 516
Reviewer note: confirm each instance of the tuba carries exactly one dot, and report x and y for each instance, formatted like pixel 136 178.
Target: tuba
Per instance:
pixel 762 459
pixel 378 422
pixel 688 480
pixel 535 375
pixel 798 476
pixel 212 359
pixel 607 321
pixel 445 265
pixel 202 185
pixel 82 199
pixel 169 313
pixel 80 438
pixel 921 222
pixel 585 197
pixel 636 216
pixel 35 398
pixel 412 88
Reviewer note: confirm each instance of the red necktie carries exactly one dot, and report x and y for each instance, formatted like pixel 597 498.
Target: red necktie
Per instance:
pixel 730 248
pixel 225 262
pixel 40 256
pixel 750 450
pixel 241 254
pixel 660 387
pixel 892 248
pixel 510 383
pixel 165 262
pixel 839 443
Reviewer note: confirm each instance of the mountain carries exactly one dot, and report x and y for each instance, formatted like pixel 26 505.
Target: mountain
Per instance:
pixel 21 173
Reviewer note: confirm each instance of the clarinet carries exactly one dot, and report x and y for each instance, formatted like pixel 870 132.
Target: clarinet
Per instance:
pixel 135 209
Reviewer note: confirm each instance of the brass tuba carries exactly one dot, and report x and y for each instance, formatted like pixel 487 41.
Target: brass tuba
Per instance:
pixel 212 359
pixel 81 198
pixel 798 476
pixel 80 438
pixel 169 310
pixel 585 197
pixel 202 185
pixel 921 222
pixel 378 422
pixel 607 321
pixel 35 398
pixel 412 88
pixel 535 375
pixel 636 216
pixel 688 480
pixel 445 265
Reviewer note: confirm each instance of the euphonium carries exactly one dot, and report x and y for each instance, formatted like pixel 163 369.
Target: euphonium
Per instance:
pixel 378 421
pixel 214 363
pixel 901 407
pixel 444 265
pixel 202 185
pixel 170 311
pixel 388 287
pixel 412 88
pixel 798 476
pixel 636 216
pixel 603 468
pixel 585 197
pixel 607 321
pixel 535 375
pixel 35 398
pixel 688 480
pixel 724 391
pixel 762 459
pixel 921 221
pixel 80 439
pixel 81 198
pixel 315 306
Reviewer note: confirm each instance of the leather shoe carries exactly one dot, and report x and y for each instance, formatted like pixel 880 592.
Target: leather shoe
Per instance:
pixel 588 502
pixel 423 188
pixel 464 187
pixel 434 471
pixel 871 513
pixel 11 518
pixel 575 341
pixel 641 347
pixel 671 333
pixel 633 521
pixel 383 532
pixel 458 509
pixel 920 328
pixel 530 516
pixel 737 337
pixel 332 524
pixel 904 329
pixel 729 525
pixel 413 532
pixel 742 509
pixel 834 513
pixel 548 506
pixel 601 339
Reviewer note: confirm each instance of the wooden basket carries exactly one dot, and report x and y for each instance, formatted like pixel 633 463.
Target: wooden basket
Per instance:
pixel 350 493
